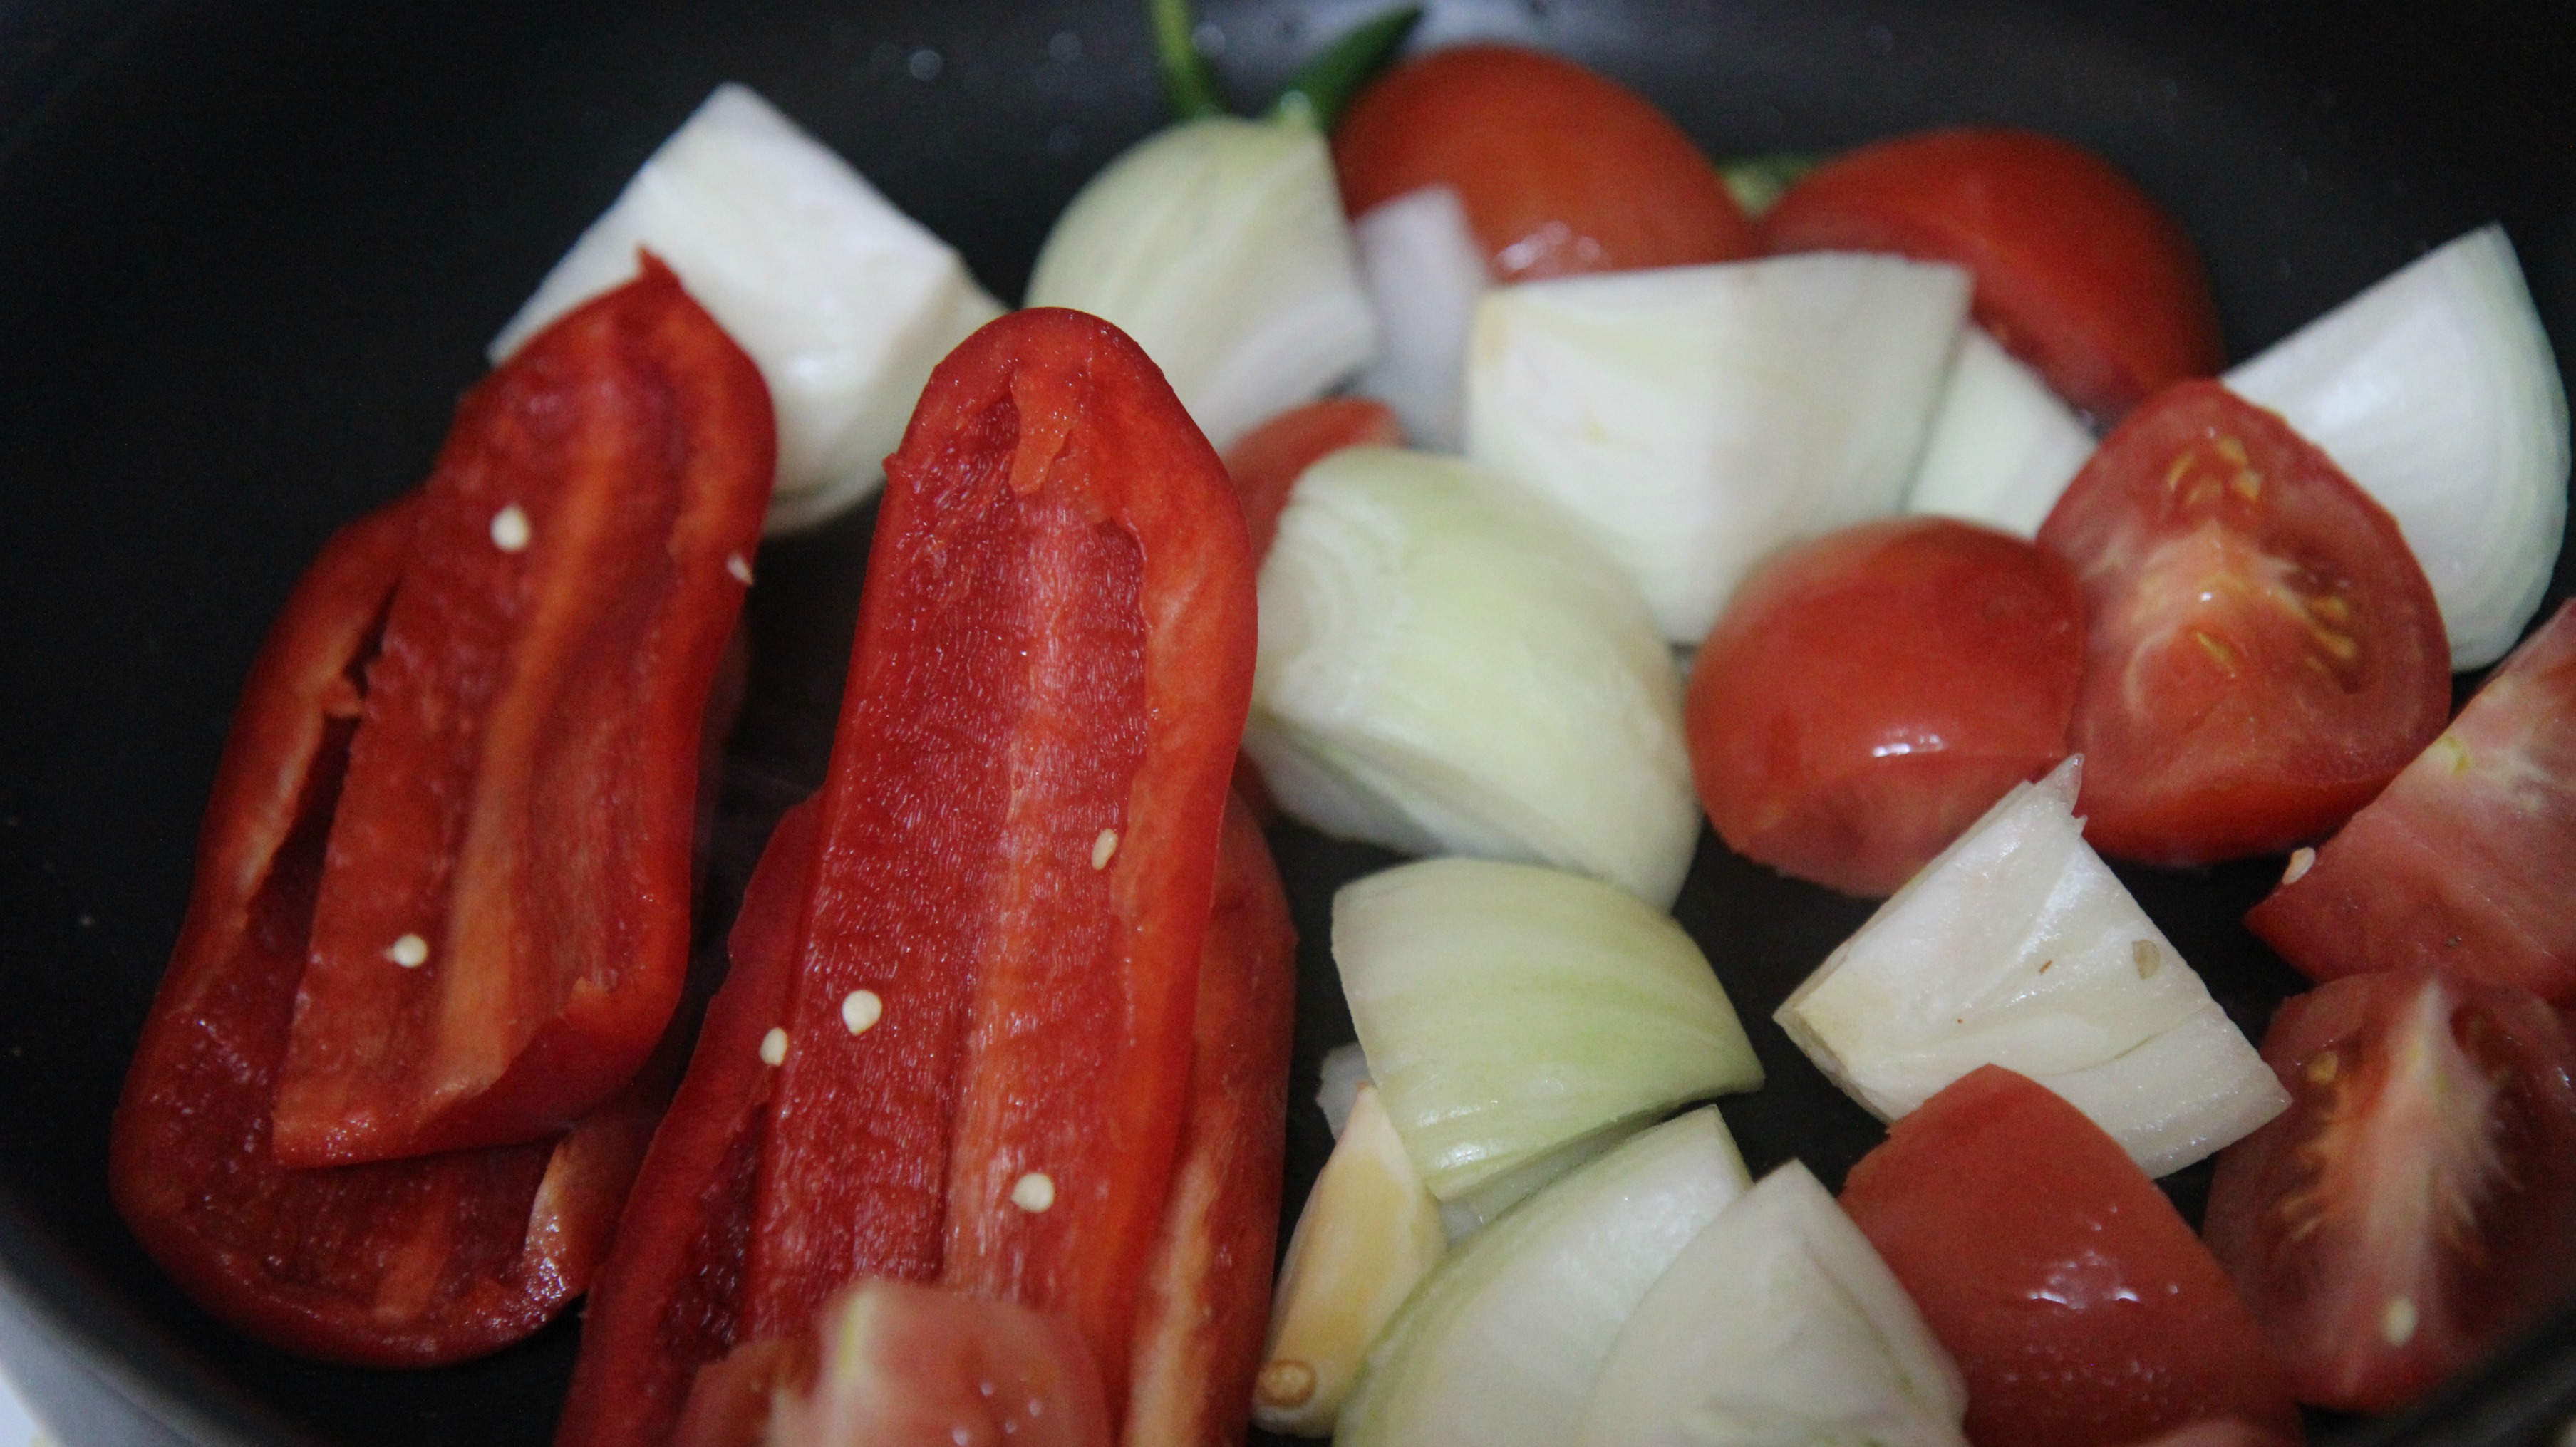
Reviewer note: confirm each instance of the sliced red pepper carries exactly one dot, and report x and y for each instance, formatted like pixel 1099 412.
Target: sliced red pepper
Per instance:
pixel 1020 823
pixel 503 922
pixel 990 954
pixel 669 1298
pixel 408 1263
pixel 1206 1310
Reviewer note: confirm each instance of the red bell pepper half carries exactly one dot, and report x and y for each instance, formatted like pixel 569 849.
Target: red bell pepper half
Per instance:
pixel 956 1048
pixel 1206 1312
pixel 407 1263
pixel 502 929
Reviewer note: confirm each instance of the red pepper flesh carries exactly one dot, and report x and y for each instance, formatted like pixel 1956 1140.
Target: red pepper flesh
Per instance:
pixel 1019 839
pixel 409 1263
pixel 1013 856
pixel 503 923
pixel 1206 1311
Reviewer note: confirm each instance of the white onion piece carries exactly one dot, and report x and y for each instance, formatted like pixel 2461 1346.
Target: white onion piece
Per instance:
pixel 1471 1211
pixel 1369 1233
pixel 1219 245
pixel 1444 669
pixel 1425 273
pixel 1499 1348
pixel 1694 418
pixel 1778 1324
pixel 2017 946
pixel 1508 1010
pixel 844 302
pixel 2002 446
pixel 1343 1071
pixel 2436 391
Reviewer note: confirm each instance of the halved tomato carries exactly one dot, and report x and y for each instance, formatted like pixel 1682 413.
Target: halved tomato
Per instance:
pixel 1866 696
pixel 2077 1303
pixel 902 1365
pixel 2467 862
pixel 2264 654
pixel 2417 1202
pixel 1562 171
pixel 2078 272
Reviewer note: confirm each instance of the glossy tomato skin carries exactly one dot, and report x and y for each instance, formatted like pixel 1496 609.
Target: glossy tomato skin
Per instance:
pixel 2077 271
pixel 1562 171
pixel 2078 1305
pixel 2263 652
pixel 914 1366
pixel 2416 1205
pixel 2466 862
pixel 1867 695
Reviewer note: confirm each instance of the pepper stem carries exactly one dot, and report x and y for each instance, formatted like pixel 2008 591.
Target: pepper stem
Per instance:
pixel 1187 80
pixel 1324 86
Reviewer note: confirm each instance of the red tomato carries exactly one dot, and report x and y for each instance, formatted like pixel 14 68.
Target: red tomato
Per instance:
pixel 2217 1432
pixel 2467 862
pixel 1266 462
pixel 2265 654
pixel 2077 1303
pixel 2078 273
pixel 1867 695
pixel 914 1366
pixel 2417 1203
pixel 1562 171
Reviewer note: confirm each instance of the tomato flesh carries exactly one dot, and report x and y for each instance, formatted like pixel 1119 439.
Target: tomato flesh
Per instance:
pixel 2263 652
pixel 2077 271
pixel 2078 1305
pixel 1562 171
pixel 2466 863
pixel 1866 696
pixel 2417 1203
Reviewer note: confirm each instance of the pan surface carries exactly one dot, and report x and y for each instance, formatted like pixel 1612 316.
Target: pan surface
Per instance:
pixel 250 253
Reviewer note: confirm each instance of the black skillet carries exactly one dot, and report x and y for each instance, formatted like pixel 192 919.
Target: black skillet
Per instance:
pixel 250 253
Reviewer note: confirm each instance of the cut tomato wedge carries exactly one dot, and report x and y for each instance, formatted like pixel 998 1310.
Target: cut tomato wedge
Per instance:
pixel 2263 653
pixel 2466 863
pixel 2416 1206
pixel 2078 272
pixel 502 926
pixel 2075 1300
pixel 1866 696
pixel 401 1263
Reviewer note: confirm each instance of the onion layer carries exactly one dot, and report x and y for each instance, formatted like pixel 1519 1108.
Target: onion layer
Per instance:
pixel 1219 245
pixel 2436 391
pixel 844 302
pixel 2003 446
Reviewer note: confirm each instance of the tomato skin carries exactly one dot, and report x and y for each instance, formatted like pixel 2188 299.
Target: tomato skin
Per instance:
pixel 2466 862
pixel 2264 653
pixel 1562 171
pixel 2428 1157
pixel 2078 273
pixel 523 786
pixel 1867 695
pixel 393 1264
pixel 1266 462
pixel 1206 1309
pixel 2077 1303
